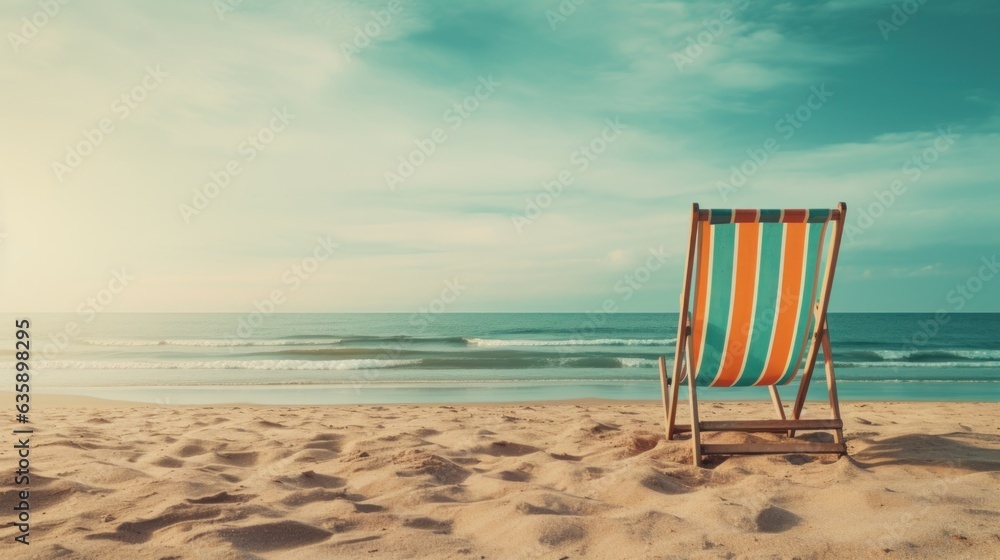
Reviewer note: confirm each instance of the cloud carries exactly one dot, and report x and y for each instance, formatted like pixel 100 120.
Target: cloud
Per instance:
pixel 357 116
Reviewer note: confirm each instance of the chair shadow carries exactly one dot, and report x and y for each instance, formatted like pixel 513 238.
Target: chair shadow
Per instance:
pixel 956 450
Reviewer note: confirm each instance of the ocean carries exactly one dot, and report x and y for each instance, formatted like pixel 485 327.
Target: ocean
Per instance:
pixel 192 358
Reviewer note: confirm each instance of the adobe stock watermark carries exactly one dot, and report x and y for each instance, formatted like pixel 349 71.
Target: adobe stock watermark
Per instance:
pixel 371 30
pixel 32 25
pixel 248 150
pixel 632 282
pixel 787 126
pixel 894 534
pixel 121 108
pixel 223 7
pixel 88 309
pixel 580 160
pixel 454 117
pixel 900 16
pixel 625 288
pixel 427 314
pixel 422 319
pixel 958 298
pixel 292 280
pixel 712 29
pixel 912 170
pixel 563 11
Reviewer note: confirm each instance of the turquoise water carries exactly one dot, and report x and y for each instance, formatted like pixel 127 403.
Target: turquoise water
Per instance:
pixel 393 358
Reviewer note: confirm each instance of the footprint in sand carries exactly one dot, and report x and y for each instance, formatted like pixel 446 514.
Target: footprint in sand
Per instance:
pixel 311 479
pixel 565 457
pixel 190 450
pixel 168 462
pixel 664 484
pixel 505 449
pixel 776 520
pixel 556 533
pixel 599 428
pixel 425 432
pixel 441 470
pixel 136 532
pixel 238 459
pixel 514 476
pixel 440 527
pixel 637 443
pixel 296 499
pixel 266 537
pixel 220 498
pixel 327 442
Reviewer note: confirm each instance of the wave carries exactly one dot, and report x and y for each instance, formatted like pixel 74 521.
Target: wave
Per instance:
pixel 933 357
pixel 406 338
pixel 386 381
pixel 338 365
pixel 291 340
pixel 637 362
pixel 493 342
pixel 208 342
pixel 462 362
pixel 900 364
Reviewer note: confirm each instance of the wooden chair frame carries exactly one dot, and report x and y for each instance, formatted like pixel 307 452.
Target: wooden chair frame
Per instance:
pixel 683 368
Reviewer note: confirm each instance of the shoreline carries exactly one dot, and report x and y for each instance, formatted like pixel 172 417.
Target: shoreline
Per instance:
pixel 43 400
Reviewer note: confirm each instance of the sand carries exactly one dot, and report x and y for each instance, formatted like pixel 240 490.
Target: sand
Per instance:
pixel 590 479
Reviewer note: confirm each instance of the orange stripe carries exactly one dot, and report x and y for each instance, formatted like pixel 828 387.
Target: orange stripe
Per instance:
pixel 788 303
pixel 747 263
pixel 701 293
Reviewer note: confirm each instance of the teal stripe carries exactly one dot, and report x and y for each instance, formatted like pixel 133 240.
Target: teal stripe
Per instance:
pixel 818 215
pixel 770 215
pixel 720 216
pixel 808 300
pixel 719 303
pixel 768 280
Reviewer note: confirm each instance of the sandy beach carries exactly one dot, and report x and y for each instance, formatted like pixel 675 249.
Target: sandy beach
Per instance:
pixel 582 479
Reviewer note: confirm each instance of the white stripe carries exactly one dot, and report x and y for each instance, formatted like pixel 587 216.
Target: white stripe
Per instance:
pixel 708 301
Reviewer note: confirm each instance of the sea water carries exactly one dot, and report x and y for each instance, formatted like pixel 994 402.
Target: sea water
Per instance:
pixel 189 358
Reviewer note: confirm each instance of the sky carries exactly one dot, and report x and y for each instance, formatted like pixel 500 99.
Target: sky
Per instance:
pixel 391 156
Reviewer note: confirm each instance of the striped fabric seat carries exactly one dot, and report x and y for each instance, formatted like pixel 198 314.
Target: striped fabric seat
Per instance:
pixel 755 293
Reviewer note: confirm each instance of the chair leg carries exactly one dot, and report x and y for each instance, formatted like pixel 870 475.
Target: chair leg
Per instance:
pixel 800 398
pixel 676 385
pixel 776 398
pixel 695 428
pixel 664 387
pixel 778 407
pixel 693 396
pixel 675 393
pixel 675 390
pixel 831 385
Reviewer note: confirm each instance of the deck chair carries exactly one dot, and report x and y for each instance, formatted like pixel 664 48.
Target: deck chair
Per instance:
pixel 753 313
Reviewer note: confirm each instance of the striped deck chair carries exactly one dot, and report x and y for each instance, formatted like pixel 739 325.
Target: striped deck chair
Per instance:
pixel 753 313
